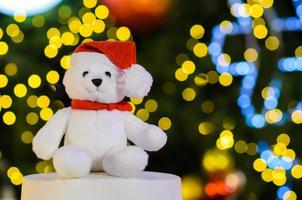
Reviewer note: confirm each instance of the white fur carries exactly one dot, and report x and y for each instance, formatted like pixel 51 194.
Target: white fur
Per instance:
pixel 132 158
pixel 136 81
pixel 72 161
pixel 102 133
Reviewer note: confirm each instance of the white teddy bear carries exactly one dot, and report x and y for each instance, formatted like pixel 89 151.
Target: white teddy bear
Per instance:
pixel 98 124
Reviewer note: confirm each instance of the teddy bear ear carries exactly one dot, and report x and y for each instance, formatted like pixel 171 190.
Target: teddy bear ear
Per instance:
pixel 136 81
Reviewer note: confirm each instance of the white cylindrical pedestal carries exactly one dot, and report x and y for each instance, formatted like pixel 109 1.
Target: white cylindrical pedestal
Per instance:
pixel 99 186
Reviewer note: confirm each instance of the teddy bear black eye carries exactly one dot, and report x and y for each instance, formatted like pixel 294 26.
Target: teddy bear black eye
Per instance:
pixel 85 73
pixel 108 74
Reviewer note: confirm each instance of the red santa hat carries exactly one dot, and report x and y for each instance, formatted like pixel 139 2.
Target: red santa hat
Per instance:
pixel 122 54
pixel 136 81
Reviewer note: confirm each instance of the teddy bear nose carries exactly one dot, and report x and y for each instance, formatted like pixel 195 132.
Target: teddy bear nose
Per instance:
pixel 97 82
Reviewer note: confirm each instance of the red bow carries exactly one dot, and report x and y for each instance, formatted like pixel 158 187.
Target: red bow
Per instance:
pixel 89 105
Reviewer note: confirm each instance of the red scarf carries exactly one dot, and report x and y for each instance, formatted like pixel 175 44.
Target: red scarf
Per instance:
pixel 89 105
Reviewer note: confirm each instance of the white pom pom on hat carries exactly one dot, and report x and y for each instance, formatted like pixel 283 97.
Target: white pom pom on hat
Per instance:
pixel 136 82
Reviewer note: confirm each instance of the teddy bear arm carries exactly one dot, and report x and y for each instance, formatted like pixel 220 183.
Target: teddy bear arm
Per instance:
pixel 147 136
pixel 48 138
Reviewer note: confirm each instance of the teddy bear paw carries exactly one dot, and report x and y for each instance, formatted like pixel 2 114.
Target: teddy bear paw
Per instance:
pixel 155 139
pixel 72 162
pixel 125 162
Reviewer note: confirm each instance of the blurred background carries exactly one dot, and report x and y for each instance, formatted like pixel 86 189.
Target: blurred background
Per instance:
pixel 226 91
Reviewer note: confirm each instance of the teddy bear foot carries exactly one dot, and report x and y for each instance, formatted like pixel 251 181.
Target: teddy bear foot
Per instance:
pixel 125 162
pixel 72 162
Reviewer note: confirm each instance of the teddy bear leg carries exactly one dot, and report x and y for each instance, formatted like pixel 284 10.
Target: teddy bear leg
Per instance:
pixel 72 162
pixel 125 161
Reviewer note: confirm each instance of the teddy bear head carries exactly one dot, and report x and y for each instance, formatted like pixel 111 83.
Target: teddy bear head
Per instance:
pixel 106 72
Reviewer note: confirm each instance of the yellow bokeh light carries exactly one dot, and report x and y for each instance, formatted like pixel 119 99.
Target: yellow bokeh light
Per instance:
pixel 52 77
pixel 229 123
pixel 3 48
pixel 64 12
pixel 20 16
pixel 143 114
pixel 34 81
pixel 212 77
pixel 207 106
pixel 3 81
pixel 56 41
pixel 225 140
pixel 1 33
pixel 251 149
pixel 19 38
pixel 180 75
pixel 90 3
pixel 88 18
pixel 40 166
pixel 50 51
pixel 11 69
pixel 290 154
pixel 188 67
pixel 67 38
pixel 32 118
pixel 151 105
pixel 86 30
pixel 98 26
pixel 279 149
pixel 225 79
pixel 46 114
pixel 266 3
pixel 256 11
pixel 290 195
pixel 298 51
pixel 259 165
pixel 200 49
pixel 216 160
pixel 123 33
pixel 12 30
pixel 65 61
pixel 267 175
pixel 32 101
pixel 283 138
pixel 189 94
pixel 296 171
pixel 53 32
pixel 273 116
pixel 27 137
pixel 191 188
pixel 17 178
pixel 9 118
pixel 164 123
pixel 297 116
pixel 11 171
pixel 5 101
pixel 272 43
pixel 74 24
pixel 101 12
pixel 201 80
pixel 136 101
pixel 197 31
pixel 260 31
pixel 206 128
pixel 20 90
pixel 267 92
pixel 38 21
pixel 240 146
pixel 43 101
